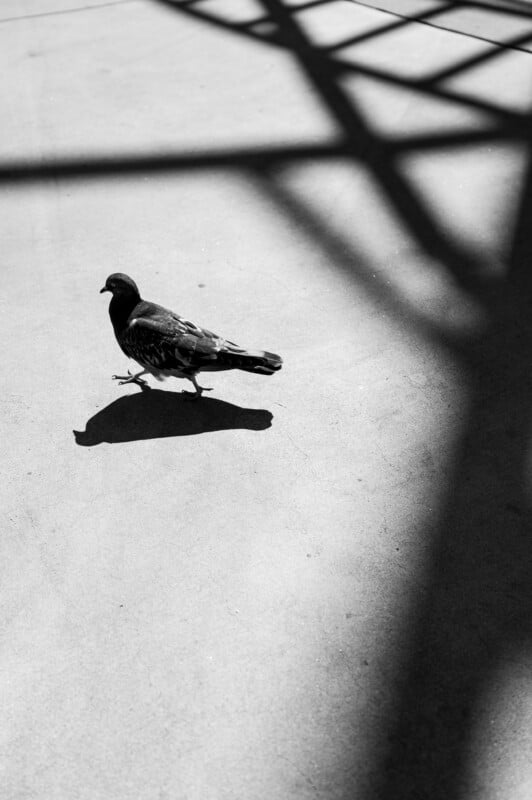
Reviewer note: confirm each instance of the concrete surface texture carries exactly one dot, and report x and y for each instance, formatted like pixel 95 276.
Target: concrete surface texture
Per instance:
pixel 315 585
pixel 504 22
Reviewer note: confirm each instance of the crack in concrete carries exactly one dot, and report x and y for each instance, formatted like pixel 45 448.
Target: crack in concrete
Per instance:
pixel 515 45
pixel 60 12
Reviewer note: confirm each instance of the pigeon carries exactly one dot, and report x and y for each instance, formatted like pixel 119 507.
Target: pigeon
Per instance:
pixel 165 344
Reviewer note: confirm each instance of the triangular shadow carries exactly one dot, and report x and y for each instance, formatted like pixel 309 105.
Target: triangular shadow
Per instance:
pixel 155 414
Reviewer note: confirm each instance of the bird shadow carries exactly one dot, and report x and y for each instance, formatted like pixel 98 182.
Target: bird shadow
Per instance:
pixel 155 414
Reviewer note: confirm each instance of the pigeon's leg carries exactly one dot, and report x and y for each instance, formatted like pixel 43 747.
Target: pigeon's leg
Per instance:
pixel 131 378
pixel 199 389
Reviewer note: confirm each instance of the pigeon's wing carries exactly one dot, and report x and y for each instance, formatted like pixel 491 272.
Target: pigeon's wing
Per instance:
pixel 164 340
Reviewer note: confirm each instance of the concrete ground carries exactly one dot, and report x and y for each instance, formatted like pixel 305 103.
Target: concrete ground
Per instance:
pixel 315 585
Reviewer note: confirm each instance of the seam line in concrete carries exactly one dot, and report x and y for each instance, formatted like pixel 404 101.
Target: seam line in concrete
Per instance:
pixel 502 45
pixel 66 11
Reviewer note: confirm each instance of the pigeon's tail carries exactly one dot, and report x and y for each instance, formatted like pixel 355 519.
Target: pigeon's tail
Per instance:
pixel 257 361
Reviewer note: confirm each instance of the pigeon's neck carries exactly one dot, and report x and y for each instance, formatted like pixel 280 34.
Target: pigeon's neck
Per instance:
pixel 120 309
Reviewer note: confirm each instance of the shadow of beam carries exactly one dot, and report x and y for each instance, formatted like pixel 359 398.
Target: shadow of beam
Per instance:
pixel 477 611
pixel 114 165
pixel 477 615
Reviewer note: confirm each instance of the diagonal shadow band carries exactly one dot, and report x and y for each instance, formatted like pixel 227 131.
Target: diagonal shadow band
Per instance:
pixel 155 414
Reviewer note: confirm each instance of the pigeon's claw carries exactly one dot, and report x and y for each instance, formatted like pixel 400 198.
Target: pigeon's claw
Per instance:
pixel 199 389
pixel 122 379
pixel 138 381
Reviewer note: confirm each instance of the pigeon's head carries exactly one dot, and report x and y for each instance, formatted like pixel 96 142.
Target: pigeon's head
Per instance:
pixel 121 285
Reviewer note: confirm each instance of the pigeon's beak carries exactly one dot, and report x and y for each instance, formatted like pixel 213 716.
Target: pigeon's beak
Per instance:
pixel 105 289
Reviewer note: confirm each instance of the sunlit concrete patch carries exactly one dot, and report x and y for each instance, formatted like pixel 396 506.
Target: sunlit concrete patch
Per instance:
pixel 501 78
pixel 473 195
pixel 331 24
pixel 270 540
pixel 141 61
pixel 499 768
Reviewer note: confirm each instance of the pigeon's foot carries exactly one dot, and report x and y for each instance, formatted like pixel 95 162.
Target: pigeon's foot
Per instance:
pixel 195 395
pixel 122 379
pixel 199 390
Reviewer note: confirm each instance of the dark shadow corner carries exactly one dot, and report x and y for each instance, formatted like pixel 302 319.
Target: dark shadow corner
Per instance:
pixel 154 414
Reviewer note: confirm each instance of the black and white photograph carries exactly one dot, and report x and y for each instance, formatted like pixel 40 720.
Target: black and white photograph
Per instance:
pixel 266 410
